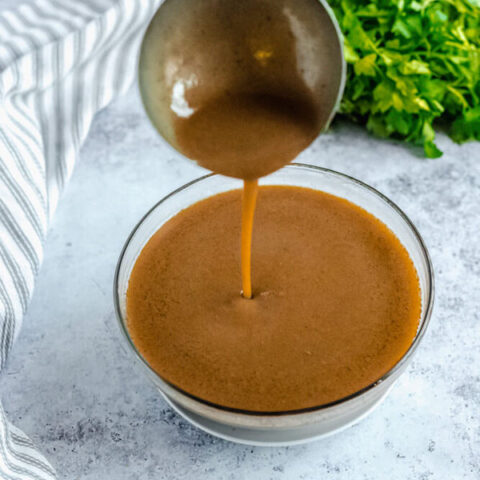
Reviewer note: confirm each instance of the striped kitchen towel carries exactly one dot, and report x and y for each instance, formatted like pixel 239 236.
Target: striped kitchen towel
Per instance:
pixel 60 62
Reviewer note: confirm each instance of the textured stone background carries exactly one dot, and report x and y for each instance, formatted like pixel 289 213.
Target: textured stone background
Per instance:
pixel 72 388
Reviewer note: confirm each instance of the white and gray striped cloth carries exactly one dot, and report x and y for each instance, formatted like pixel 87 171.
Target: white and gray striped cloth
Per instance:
pixel 60 62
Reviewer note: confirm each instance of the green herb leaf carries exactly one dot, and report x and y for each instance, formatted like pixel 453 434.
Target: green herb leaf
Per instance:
pixel 366 65
pixel 412 65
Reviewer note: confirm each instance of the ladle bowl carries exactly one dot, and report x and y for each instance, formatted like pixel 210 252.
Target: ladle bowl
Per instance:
pixel 195 51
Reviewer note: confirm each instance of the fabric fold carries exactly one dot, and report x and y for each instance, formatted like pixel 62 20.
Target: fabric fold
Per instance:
pixel 60 63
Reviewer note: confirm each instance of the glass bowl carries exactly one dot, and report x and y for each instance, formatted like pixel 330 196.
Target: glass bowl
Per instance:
pixel 284 427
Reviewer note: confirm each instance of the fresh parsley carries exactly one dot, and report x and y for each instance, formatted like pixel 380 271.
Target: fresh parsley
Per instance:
pixel 412 66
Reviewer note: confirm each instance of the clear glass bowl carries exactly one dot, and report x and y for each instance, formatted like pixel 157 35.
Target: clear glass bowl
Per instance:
pixel 323 418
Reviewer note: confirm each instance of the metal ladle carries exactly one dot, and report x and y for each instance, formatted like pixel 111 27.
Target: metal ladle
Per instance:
pixel 195 50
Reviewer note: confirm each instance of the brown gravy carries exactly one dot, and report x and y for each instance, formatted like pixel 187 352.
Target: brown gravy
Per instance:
pixel 247 136
pixel 242 88
pixel 336 301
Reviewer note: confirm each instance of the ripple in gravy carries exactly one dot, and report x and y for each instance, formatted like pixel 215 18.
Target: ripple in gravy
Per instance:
pixel 336 301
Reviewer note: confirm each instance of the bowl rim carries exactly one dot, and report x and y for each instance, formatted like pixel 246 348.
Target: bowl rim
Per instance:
pixel 424 320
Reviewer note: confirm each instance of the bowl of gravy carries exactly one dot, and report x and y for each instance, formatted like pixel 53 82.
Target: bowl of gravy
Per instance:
pixel 342 293
pixel 284 310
